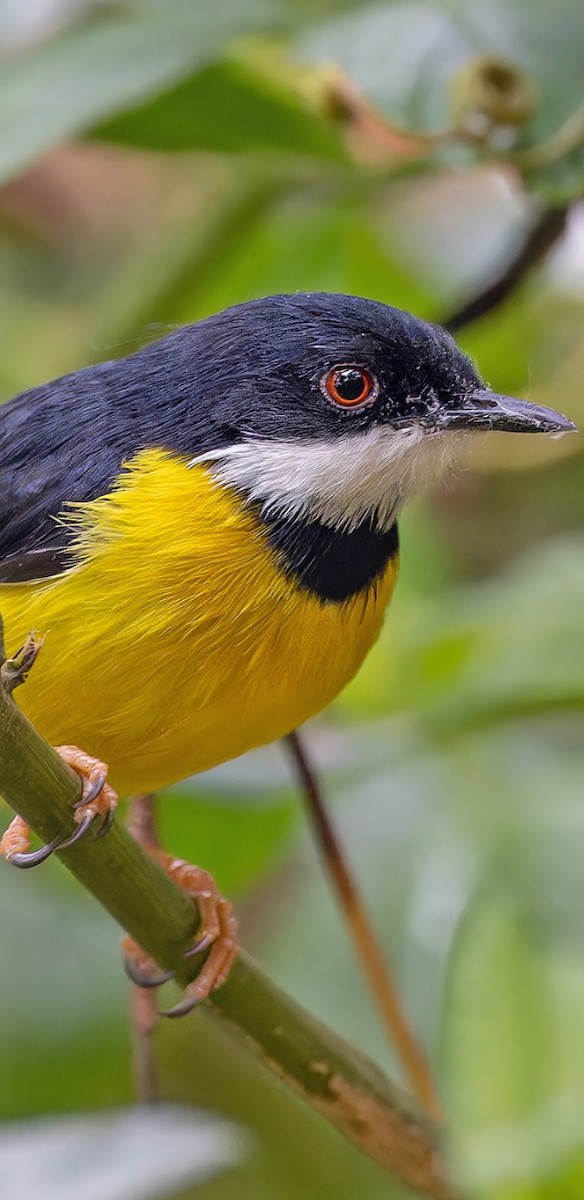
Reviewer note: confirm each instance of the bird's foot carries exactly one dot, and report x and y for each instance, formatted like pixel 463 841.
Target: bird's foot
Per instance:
pixel 218 934
pixel 98 799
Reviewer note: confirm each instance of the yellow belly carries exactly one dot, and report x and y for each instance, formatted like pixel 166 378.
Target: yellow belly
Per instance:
pixel 178 644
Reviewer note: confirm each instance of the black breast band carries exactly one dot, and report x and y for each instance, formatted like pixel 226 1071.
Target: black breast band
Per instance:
pixel 334 564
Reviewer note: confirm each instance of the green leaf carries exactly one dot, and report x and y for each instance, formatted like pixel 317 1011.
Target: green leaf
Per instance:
pixel 43 922
pixel 525 340
pixel 497 1018
pixel 116 60
pixel 305 242
pixel 510 647
pixel 244 102
pixel 512 1056
pixel 525 657
pixel 497 1045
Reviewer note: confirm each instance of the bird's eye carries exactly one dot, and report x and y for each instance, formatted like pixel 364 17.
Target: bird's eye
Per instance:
pixel 349 386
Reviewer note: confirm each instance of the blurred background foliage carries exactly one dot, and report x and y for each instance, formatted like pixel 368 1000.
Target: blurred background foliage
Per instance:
pixel 161 159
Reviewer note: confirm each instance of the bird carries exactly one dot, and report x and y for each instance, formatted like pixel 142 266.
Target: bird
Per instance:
pixel 206 532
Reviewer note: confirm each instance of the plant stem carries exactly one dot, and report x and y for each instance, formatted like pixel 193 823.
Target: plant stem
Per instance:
pixel 143 1009
pixel 539 240
pixel 331 1076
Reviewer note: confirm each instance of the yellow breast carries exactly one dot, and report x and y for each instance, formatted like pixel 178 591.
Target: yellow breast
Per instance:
pixel 178 643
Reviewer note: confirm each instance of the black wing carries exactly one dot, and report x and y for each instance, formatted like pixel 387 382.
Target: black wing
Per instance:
pixel 67 441
pixel 57 443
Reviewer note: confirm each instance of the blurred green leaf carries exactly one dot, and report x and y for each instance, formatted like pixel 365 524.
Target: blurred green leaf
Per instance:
pixel 525 656
pixel 99 68
pixel 506 648
pixel 526 340
pixel 497 1022
pixel 245 102
pixel 55 933
pixel 511 1055
pixel 238 838
pixel 306 241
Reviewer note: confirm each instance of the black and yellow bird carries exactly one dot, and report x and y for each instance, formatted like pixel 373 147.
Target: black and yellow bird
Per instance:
pixel 206 530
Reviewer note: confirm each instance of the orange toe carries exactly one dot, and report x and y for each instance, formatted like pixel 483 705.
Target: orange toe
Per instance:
pixel 16 839
pixel 98 798
pixel 218 932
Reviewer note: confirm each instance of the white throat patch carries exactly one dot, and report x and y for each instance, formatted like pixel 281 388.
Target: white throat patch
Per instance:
pixel 340 482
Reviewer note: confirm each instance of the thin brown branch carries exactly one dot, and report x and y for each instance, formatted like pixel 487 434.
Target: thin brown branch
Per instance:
pixel 540 239
pixel 365 942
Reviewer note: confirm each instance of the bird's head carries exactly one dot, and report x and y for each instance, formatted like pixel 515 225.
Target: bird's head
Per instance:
pixel 338 408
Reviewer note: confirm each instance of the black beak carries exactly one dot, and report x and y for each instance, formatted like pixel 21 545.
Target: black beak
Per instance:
pixel 486 410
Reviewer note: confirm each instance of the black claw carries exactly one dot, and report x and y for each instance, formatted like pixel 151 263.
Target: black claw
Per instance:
pixel 33 858
pixel 203 944
pixel 145 981
pixel 106 825
pixel 91 788
pixel 182 1009
pixel 82 830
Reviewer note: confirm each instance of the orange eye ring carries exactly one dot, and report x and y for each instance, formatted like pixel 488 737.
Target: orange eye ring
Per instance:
pixel 349 386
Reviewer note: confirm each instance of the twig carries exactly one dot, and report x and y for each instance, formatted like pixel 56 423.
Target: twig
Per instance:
pixel 366 945
pixel 328 1074
pixel 538 242
pixel 143 1010
pixel 563 142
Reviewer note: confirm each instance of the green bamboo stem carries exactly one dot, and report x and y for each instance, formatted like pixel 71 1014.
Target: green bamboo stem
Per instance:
pixel 328 1074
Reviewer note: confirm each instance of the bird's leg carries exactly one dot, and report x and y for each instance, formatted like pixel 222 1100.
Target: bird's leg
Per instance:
pixel 365 942
pixel 97 799
pixel 217 933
